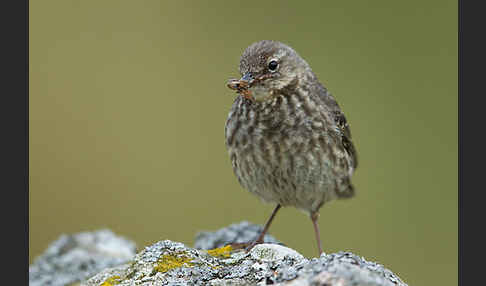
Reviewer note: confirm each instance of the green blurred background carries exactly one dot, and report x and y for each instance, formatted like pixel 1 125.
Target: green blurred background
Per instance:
pixel 128 104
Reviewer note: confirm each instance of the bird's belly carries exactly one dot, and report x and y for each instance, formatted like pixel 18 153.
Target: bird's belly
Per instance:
pixel 289 171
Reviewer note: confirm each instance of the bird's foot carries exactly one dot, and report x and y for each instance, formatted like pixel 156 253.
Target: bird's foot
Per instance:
pixel 247 246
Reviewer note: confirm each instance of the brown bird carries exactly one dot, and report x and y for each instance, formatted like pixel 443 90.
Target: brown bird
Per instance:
pixel 288 140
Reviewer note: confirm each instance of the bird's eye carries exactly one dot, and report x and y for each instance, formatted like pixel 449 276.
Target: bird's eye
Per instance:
pixel 272 65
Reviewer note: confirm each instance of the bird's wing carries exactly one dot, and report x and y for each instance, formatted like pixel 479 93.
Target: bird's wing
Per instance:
pixel 342 125
pixel 346 136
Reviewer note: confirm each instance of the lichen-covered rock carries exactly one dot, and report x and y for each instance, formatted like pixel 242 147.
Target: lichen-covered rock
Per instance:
pixel 172 263
pixel 74 258
pixel 234 233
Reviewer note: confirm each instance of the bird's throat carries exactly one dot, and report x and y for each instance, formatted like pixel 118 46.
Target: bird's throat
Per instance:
pixel 260 93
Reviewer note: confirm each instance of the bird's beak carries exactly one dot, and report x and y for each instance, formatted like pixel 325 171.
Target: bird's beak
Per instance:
pixel 247 79
pixel 241 85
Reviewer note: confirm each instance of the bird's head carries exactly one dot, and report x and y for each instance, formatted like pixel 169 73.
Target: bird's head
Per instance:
pixel 267 67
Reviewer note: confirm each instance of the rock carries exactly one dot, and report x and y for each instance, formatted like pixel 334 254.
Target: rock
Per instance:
pixel 273 252
pixel 74 258
pixel 173 263
pixel 235 233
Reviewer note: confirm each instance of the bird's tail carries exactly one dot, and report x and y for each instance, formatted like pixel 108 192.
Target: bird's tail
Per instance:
pixel 347 190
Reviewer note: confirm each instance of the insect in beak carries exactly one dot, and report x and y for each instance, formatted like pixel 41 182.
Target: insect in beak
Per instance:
pixel 242 85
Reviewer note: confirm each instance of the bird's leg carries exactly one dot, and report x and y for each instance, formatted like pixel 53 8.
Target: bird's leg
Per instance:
pixel 314 217
pixel 259 240
pixel 265 229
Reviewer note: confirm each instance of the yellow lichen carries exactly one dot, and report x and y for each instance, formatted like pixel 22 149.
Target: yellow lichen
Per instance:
pixel 168 262
pixel 222 252
pixel 113 280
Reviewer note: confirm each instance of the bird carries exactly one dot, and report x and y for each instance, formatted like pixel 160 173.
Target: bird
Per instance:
pixel 288 141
